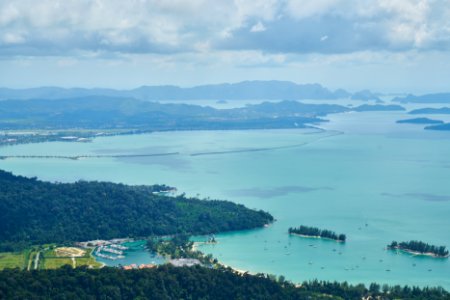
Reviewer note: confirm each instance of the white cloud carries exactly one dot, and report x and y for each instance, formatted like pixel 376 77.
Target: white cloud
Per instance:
pixel 65 27
pixel 10 38
pixel 258 27
pixel 8 14
pixel 306 8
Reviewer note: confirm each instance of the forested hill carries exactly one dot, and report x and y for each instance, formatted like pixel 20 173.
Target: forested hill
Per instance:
pixel 101 112
pixel 168 282
pixel 37 212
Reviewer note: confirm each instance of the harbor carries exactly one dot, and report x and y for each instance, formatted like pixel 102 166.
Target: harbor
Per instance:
pixel 126 254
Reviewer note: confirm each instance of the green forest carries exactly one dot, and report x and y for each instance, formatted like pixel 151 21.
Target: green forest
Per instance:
pixel 167 282
pixel 421 247
pixel 37 212
pixel 316 232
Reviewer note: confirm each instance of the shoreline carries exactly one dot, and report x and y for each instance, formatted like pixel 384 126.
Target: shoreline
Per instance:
pixel 195 245
pixel 194 248
pixel 415 253
pixel 316 237
pixel 239 271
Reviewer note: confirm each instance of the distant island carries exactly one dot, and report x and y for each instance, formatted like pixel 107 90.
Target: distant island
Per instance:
pixel 366 95
pixel 378 107
pixel 419 121
pixel 442 127
pixel 245 90
pixel 103 113
pixel 317 233
pixel 420 248
pixel 431 111
pixel 85 118
pixel 427 98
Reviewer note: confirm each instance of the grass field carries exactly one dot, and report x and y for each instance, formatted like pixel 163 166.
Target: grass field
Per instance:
pixel 52 258
pixel 13 260
pixel 55 263
pixel 88 261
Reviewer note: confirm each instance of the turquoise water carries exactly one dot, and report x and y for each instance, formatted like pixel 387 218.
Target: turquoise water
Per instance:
pixel 392 177
pixel 136 254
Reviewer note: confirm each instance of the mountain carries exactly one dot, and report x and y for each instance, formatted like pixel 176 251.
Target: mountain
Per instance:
pixel 268 90
pixel 441 127
pixel 365 95
pixel 437 111
pixel 427 98
pixel 377 107
pixel 420 121
pixel 265 90
pixel 290 108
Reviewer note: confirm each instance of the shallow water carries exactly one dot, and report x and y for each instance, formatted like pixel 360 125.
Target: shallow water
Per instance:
pixel 377 182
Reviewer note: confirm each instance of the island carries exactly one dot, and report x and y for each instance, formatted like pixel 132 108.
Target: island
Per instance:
pixel 442 127
pixel 420 248
pixel 378 107
pixel 86 118
pixel 315 232
pixel 366 95
pixel 420 121
pixel 431 111
pixel 427 98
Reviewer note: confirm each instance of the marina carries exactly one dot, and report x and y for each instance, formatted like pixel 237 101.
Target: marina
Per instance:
pixel 130 253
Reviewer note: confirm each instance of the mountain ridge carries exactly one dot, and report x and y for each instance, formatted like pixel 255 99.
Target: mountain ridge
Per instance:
pixel 244 90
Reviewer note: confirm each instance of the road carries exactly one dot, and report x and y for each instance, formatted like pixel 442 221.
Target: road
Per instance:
pixel 36 261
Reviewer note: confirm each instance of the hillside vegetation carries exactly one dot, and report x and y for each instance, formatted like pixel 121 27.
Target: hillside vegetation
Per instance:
pixel 37 212
pixel 168 282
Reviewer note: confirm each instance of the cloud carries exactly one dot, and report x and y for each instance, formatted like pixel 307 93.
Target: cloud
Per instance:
pixel 351 26
pixel 10 38
pixel 70 27
pixel 300 9
pixel 258 27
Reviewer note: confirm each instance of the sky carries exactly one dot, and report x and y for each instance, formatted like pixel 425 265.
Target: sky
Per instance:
pixel 382 45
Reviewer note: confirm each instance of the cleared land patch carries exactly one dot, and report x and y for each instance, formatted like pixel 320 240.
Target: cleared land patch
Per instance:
pixel 75 257
pixel 69 252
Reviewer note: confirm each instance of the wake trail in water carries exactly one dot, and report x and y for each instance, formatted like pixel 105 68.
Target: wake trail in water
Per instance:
pixel 245 150
pixel 334 133
pixel 77 157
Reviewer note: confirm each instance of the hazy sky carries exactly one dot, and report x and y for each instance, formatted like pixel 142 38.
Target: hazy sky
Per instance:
pixel 384 45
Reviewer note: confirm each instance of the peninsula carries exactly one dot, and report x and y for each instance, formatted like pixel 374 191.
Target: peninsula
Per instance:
pixel 35 212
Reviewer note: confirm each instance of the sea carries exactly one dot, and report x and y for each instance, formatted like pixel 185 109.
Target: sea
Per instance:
pixel 360 174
